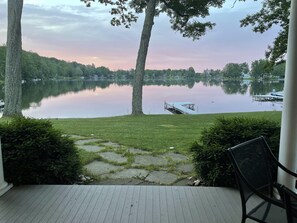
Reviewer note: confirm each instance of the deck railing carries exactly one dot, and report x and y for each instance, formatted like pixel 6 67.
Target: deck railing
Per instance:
pixel 4 186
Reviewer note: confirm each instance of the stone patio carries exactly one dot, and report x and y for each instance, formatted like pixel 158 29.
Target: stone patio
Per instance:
pixel 115 168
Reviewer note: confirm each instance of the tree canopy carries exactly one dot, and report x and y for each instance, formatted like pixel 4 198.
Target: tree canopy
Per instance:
pixel 235 70
pixel 260 68
pixel 183 14
pixel 273 12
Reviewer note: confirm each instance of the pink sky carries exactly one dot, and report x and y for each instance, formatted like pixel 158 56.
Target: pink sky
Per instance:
pixel 67 30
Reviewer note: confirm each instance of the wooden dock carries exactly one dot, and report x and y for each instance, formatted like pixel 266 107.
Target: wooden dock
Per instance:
pixel 180 107
pixel 120 204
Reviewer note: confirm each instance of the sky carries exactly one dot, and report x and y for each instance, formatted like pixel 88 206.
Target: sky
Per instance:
pixel 68 30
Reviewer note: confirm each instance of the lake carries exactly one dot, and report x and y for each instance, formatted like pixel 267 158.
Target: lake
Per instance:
pixel 86 99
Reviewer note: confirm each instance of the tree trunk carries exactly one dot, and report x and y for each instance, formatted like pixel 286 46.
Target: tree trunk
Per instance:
pixel 141 58
pixel 13 75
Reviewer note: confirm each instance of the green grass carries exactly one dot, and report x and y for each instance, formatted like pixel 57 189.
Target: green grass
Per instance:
pixel 87 157
pixel 154 133
pixel 150 132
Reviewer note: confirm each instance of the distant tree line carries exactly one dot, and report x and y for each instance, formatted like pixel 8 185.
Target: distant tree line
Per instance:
pixel 260 69
pixel 35 67
pixel 165 74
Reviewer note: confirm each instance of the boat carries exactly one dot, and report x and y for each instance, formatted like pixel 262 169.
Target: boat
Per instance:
pixel 272 96
pixel 278 94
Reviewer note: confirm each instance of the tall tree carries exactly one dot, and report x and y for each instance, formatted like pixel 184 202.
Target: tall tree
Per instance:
pixel 273 12
pixel 183 18
pixel 13 76
pixel 141 57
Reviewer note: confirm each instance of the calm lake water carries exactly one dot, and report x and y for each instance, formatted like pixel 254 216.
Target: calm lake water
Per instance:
pixel 95 99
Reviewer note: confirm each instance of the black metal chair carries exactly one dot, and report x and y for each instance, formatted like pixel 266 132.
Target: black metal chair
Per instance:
pixel 290 198
pixel 256 170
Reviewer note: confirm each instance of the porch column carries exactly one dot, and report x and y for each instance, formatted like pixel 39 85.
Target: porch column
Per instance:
pixel 4 186
pixel 288 139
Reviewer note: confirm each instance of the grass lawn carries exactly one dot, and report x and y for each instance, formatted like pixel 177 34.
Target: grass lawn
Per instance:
pixel 150 132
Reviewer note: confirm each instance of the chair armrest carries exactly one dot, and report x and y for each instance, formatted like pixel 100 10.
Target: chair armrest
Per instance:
pixel 286 170
pixel 294 174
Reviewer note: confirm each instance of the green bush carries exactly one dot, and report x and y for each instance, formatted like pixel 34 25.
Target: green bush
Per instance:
pixel 210 159
pixel 35 153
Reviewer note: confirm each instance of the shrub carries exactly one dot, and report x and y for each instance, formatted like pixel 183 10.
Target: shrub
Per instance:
pixel 210 159
pixel 35 153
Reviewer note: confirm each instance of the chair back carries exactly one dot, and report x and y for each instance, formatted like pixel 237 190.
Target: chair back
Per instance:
pixel 255 171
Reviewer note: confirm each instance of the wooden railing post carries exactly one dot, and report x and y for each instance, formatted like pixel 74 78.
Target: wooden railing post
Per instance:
pixel 4 186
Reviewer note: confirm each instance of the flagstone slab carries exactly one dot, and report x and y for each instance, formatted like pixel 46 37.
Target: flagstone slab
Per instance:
pixel 137 151
pixel 91 148
pixel 162 177
pixel 184 182
pixel 185 168
pixel 85 141
pixel 130 173
pixel 146 160
pixel 111 144
pixel 100 168
pixel 176 157
pixel 114 157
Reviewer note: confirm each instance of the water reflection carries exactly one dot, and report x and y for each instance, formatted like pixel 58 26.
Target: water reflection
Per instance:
pixel 233 87
pixel 259 87
pixel 66 99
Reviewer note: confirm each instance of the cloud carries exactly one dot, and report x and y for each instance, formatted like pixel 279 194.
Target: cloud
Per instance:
pixel 68 30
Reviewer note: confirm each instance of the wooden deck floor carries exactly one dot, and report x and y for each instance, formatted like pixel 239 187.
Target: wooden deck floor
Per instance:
pixel 120 204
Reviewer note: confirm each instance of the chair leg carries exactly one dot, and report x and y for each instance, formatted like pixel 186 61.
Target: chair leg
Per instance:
pixel 243 220
pixel 243 215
